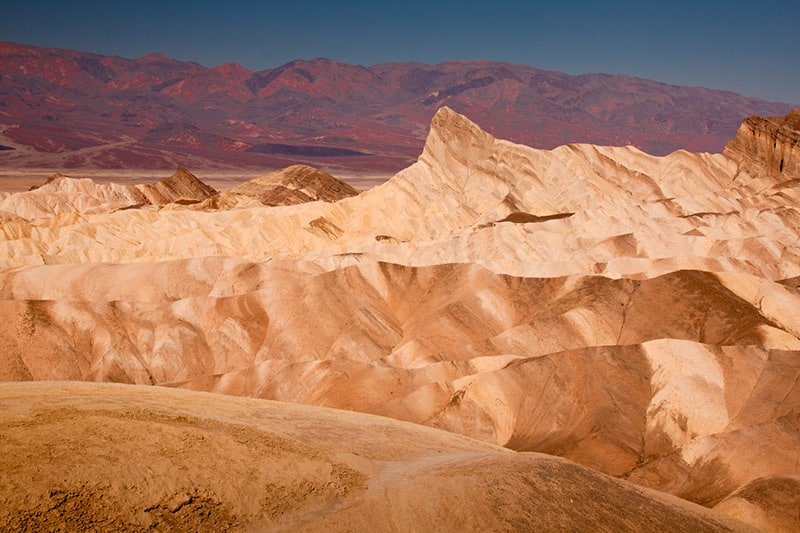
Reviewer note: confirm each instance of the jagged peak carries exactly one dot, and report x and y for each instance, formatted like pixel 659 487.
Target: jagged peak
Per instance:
pixel 183 172
pixel 294 173
pixel 446 118
pixel 184 184
pixel 300 170
pixel 789 122
pixel 456 134
pixel 52 182
pixel 56 176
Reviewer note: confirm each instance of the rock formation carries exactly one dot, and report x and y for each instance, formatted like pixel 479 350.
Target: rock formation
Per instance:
pixel 768 146
pixel 631 313
pixel 293 185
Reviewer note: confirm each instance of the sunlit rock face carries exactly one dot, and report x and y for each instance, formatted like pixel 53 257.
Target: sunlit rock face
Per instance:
pixel 768 145
pixel 638 315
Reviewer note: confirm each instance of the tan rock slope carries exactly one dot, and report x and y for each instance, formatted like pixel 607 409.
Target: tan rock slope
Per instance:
pixel 639 315
pixel 64 195
pixel 768 145
pixel 121 458
pixel 293 185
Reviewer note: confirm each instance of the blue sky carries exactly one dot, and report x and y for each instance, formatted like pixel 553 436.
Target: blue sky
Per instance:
pixel 748 47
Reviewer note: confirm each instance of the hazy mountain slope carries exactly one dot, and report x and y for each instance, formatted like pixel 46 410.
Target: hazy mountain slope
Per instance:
pixel 68 109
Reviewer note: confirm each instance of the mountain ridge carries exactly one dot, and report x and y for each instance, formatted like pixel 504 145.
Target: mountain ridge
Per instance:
pixel 68 109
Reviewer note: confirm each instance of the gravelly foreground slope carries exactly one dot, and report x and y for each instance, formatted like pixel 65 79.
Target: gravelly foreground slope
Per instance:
pixel 110 457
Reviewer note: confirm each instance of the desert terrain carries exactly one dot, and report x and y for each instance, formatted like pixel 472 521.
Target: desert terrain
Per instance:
pixel 203 462
pixel 610 340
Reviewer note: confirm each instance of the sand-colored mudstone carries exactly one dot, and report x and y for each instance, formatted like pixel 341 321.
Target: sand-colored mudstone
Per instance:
pixel 109 457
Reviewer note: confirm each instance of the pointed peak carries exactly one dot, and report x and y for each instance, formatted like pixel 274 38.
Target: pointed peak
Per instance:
pixel 295 184
pixel 456 134
pixel 445 113
pixel 153 57
pixel 448 120
pixel 183 172
pixel 187 184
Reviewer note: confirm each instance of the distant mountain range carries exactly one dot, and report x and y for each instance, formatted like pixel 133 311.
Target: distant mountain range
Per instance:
pixel 70 109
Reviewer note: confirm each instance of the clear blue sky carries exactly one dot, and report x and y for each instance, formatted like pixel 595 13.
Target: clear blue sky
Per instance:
pixel 748 47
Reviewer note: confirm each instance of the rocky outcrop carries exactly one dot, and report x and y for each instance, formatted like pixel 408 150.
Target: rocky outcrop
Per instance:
pixel 768 145
pixel 183 187
pixel 292 185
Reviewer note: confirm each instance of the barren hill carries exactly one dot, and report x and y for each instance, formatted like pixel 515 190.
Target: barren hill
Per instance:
pixel 293 185
pixel 64 195
pixel 632 313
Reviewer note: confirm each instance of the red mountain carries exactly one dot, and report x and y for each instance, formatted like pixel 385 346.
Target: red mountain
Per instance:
pixel 67 109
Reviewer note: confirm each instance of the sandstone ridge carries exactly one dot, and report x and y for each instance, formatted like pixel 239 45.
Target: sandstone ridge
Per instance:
pixel 633 215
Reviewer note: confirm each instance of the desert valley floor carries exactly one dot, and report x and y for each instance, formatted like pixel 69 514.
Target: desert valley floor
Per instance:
pixel 497 337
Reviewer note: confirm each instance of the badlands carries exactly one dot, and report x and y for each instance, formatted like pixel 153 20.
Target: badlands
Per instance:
pixel 610 341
